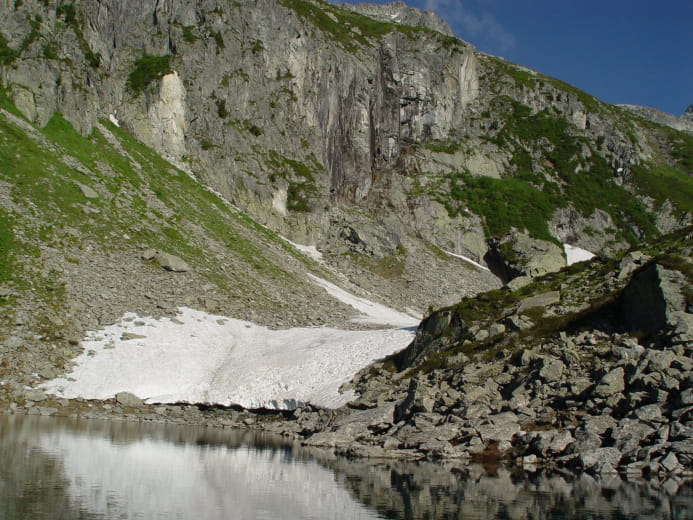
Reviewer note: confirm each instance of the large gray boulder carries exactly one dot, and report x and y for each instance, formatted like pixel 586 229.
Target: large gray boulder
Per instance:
pixel 519 255
pixel 171 262
pixel 654 302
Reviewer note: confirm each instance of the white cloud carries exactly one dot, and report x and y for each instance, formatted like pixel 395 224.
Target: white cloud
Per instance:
pixel 476 26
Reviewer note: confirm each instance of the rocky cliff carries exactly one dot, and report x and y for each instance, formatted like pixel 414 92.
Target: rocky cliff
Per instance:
pixel 316 118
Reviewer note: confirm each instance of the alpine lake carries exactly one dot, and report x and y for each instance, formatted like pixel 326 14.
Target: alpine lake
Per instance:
pixel 62 468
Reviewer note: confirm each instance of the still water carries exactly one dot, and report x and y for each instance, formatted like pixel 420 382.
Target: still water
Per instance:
pixel 54 468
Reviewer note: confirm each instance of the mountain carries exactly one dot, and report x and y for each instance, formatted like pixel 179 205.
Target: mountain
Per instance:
pixel 683 123
pixel 155 155
pixel 373 138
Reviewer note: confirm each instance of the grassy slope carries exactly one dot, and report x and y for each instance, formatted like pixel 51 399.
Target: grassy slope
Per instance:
pixel 549 167
pixel 143 200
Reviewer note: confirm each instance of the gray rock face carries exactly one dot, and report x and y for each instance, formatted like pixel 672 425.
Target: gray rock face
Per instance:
pixel 358 114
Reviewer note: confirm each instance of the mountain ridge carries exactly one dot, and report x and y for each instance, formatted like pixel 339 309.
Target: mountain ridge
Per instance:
pixel 154 156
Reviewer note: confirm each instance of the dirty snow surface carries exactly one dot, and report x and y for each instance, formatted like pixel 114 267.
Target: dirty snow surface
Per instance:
pixel 575 254
pixel 198 357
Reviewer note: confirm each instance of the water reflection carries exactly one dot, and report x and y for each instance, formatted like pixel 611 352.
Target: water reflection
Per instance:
pixel 89 469
pixel 55 468
pixel 456 491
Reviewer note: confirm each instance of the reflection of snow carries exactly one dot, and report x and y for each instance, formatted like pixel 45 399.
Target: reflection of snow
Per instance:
pixel 467 259
pixel 152 479
pixel 205 358
pixel 575 254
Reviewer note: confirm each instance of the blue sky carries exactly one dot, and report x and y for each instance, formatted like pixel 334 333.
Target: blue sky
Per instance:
pixel 621 51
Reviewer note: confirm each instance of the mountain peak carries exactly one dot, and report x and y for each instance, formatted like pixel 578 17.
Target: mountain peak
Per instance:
pixel 399 12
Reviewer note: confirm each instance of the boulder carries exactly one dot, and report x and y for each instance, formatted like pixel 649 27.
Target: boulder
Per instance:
pixel 551 369
pixel 419 398
pixel 87 191
pixel 128 400
pixel 653 300
pixel 540 300
pixel 35 395
pixel 611 383
pixel 600 460
pixel 171 262
pixel 517 254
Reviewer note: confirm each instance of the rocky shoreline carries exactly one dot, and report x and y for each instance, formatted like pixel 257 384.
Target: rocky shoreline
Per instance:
pixel 589 369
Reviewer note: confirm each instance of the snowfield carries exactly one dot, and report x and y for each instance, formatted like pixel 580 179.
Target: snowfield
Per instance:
pixel 575 254
pixel 198 357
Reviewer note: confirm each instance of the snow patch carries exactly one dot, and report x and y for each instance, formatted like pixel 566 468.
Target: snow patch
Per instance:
pixel 372 312
pixel 468 260
pixel 206 358
pixel 575 254
pixel 309 251
pixel 114 120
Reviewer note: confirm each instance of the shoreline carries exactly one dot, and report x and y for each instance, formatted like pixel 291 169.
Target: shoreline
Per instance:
pixel 286 427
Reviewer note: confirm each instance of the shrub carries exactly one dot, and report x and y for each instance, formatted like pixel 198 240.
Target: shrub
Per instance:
pixel 148 69
pixel 7 53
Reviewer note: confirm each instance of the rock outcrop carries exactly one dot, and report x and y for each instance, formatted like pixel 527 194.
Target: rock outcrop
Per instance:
pixel 592 382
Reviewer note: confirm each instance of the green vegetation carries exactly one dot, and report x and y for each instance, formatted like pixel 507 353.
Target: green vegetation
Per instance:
pixel 585 180
pixel 67 12
pixel 301 176
pixel 299 195
pixel 71 19
pixel 338 24
pixel 254 46
pixel 681 149
pixel 50 51
pixel 449 146
pixel 7 247
pixel 219 40
pixel 7 53
pixel 125 211
pixel 388 267
pixel 662 182
pixel 188 35
pixel 147 69
pixel 222 111
pixel 533 80
pixel 351 30
pixel 246 125
pixel 504 203
pixel 238 73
